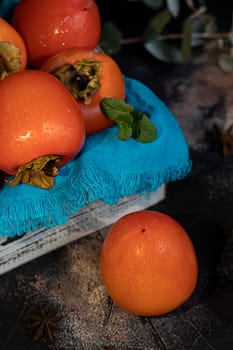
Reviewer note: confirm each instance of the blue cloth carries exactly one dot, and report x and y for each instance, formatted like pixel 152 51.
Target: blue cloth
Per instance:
pixel 106 169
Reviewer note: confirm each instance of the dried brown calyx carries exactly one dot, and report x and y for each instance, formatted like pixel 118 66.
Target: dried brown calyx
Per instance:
pixel 40 172
pixel 80 78
pixel 10 59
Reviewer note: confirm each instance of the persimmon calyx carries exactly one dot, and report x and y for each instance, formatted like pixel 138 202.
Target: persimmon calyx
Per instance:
pixel 80 78
pixel 39 172
pixel 10 59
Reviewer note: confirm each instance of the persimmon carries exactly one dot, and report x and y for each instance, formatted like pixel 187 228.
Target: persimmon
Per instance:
pixel 13 54
pixel 148 263
pixel 41 127
pixel 90 76
pixel 50 26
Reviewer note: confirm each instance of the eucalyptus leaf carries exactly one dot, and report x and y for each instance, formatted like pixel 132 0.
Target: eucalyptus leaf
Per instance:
pixel 110 41
pixel 154 4
pixel 173 7
pixel 204 24
pixel 156 25
pixel 186 41
pixel 160 20
pixel 197 27
pixel 164 51
pixel 210 23
pixel 225 62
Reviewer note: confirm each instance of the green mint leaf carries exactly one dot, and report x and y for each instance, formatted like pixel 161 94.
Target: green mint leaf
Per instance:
pixel 131 123
pixel 124 118
pixel 124 132
pixel 146 131
pixel 115 108
pixel 187 39
pixel 110 41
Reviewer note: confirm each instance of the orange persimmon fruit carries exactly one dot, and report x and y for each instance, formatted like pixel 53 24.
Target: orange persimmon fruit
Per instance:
pixel 42 127
pixel 148 263
pixel 90 76
pixel 50 26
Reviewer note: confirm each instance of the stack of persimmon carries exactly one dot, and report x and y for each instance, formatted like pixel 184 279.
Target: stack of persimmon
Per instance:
pixel 53 79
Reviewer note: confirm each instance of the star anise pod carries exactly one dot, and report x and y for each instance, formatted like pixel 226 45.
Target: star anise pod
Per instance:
pixel 222 139
pixel 42 324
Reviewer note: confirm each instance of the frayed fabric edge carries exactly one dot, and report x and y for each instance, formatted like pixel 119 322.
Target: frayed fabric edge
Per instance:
pixel 90 185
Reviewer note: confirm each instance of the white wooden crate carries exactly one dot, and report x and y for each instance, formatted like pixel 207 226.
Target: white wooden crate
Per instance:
pixel 93 217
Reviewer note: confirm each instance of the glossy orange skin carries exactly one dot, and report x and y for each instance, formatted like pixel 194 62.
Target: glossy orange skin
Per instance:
pixel 148 263
pixel 111 84
pixel 49 26
pixel 8 33
pixel 38 117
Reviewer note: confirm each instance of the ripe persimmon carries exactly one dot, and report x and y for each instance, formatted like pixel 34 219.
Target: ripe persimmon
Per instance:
pixel 148 263
pixel 90 76
pixel 42 127
pixel 49 27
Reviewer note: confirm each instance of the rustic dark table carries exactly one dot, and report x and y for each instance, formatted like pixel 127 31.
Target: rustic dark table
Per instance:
pixel 67 281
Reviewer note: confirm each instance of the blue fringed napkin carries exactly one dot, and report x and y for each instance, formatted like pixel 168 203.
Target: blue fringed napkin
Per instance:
pixel 106 169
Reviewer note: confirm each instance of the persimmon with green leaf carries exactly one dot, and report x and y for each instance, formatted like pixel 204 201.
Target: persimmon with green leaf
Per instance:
pixel 41 128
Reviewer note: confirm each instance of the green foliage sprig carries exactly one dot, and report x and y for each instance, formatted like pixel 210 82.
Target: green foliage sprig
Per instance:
pixel 199 29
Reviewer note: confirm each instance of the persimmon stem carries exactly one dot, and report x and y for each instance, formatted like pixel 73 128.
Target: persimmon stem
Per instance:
pixel 81 78
pixel 175 36
pixel 40 172
pixel 10 59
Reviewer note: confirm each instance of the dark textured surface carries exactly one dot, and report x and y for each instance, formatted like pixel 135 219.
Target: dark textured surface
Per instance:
pixel 68 280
